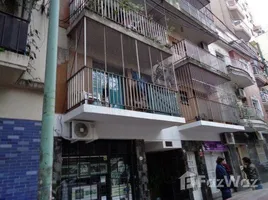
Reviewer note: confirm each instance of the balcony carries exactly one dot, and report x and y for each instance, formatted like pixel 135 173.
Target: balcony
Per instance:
pixel 240 73
pixel 264 97
pixel 106 97
pixel 261 76
pixel 122 14
pixel 13 39
pixel 185 51
pixel 242 30
pixel 235 9
pixel 206 116
pixel 252 119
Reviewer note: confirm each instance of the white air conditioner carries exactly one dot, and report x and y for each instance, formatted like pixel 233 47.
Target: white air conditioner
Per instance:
pixel 241 93
pixel 259 136
pixel 82 130
pixel 229 137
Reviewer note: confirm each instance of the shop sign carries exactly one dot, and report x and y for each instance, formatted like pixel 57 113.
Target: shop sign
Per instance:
pixel 214 147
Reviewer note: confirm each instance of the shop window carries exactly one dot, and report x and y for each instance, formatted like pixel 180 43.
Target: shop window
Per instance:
pixel 184 98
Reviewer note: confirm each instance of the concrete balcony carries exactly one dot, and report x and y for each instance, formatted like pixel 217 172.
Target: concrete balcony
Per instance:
pixel 242 30
pixel 185 51
pixel 104 97
pixel 240 73
pixel 260 76
pixel 206 116
pixel 235 9
pixel 264 97
pixel 120 17
pixel 13 61
pixel 252 119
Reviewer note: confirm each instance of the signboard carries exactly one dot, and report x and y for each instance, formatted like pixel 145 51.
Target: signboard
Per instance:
pixel 214 147
pixel 87 192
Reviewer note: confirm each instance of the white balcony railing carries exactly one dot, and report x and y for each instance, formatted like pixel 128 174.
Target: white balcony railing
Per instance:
pixel 186 49
pixel 94 86
pixel 203 15
pixel 122 14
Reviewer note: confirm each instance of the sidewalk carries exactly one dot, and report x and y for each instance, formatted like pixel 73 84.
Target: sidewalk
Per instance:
pixel 237 195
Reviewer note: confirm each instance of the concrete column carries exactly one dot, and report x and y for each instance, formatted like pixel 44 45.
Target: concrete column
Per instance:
pixel 142 171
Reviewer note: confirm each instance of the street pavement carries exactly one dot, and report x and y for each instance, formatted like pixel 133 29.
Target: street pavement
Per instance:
pixel 251 195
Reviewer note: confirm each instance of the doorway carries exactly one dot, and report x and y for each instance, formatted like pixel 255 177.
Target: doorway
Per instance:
pixel 165 169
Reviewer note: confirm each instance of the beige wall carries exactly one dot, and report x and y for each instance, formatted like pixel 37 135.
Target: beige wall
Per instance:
pixel 20 104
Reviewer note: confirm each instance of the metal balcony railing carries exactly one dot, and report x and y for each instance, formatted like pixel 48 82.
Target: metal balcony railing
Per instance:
pixel 122 14
pixel 243 66
pixel 186 49
pixel 250 113
pixel 13 33
pixel 203 15
pixel 205 109
pixel 102 88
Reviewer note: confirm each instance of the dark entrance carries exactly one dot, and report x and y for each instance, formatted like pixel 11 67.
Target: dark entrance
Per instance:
pixel 165 169
pixel 100 170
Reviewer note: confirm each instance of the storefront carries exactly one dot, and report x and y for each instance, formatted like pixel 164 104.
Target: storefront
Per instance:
pixel 100 170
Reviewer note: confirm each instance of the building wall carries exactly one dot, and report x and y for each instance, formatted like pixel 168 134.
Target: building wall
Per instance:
pixel 19 153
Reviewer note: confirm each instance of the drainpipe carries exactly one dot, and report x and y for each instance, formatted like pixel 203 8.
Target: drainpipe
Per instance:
pixel 46 148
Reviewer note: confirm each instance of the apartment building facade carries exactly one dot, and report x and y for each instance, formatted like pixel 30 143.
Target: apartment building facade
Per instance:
pixel 144 96
pixel 23 36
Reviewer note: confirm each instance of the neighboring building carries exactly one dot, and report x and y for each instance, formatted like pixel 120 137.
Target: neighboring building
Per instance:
pixel 261 42
pixel 21 96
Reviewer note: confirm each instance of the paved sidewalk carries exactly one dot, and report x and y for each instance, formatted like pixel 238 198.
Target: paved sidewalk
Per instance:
pixel 249 194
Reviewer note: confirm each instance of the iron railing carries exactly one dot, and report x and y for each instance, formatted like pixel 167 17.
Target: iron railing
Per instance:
pixel 186 49
pixel 102 88
pixel 203 15
pixel 198 108
pixel 122 14
pixel 250 113
pixel 13 33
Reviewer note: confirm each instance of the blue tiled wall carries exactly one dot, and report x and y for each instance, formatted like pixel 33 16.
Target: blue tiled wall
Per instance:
pixel 19 159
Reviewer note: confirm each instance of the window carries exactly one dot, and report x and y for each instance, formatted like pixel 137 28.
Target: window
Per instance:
pixel 220 56
pixel 256 104
pixel 184 98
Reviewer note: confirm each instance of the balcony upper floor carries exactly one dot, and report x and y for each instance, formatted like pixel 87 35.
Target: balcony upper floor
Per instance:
pixel 235 9
pixel 108 97
pixel 186 51
pixel 125 17
pixel 191 20
pixel 13 39
pixel 242 30
pixel 260 75
pixel 241 73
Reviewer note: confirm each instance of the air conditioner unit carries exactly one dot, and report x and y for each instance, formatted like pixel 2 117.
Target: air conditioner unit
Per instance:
pixel 82 130
pixel 229 138
pixel 240 93
pixel 259 136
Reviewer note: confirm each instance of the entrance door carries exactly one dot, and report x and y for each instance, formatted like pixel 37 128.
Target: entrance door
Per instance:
pixel 197 193
pixel 210 159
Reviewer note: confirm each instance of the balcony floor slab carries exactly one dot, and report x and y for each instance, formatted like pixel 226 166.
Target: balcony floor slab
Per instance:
pixel 206 130
pixel 115 115
pixel 254 125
